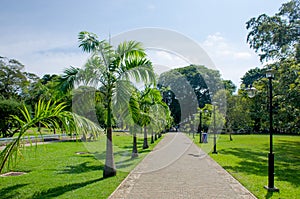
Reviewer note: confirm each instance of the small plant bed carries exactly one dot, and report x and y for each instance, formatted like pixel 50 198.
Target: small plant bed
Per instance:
pixel 56 170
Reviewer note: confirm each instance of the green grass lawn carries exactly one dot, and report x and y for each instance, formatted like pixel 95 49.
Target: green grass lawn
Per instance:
pixel 55 170
pixel 246 158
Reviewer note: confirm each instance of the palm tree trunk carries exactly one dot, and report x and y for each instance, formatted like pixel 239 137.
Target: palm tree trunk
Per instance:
pixel 134 146
pixel 145 145
pixel 109 167
pixel 152 137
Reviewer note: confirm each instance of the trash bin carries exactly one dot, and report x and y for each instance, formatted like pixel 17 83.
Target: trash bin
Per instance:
pixel 204 137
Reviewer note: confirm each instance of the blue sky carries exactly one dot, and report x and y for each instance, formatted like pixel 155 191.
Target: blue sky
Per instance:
pixel 43 34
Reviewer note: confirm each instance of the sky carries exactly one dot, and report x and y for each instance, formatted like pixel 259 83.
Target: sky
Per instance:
pixel 42 34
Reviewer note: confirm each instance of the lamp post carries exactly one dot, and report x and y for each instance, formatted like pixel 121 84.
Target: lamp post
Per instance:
pixel 200 125
pixel 251 93
pixel 271 187
pixel 215 138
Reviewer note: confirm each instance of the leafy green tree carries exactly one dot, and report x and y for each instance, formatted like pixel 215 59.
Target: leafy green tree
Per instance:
pixel 286 104
pixel 110 71
pixel 276 37
pixel 252 75
pixel 191 87
pixel 229 86
pixel 8 108
pixel 285 98
pixel 13 81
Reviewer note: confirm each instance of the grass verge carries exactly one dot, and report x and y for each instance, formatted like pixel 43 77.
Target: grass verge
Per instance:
pixel 70 169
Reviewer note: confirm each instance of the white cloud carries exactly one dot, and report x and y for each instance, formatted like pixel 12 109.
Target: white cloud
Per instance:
pixel 163 60
pixel 43 54
pixel 232 58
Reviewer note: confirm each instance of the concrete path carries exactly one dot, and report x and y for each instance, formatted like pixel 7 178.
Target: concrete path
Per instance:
pixel 177 168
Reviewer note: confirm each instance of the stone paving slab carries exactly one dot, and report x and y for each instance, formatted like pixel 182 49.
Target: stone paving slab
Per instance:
pixel 177 168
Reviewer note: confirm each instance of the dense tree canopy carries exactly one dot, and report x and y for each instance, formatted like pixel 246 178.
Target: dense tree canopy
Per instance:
pixel 276 37
pixel 189 87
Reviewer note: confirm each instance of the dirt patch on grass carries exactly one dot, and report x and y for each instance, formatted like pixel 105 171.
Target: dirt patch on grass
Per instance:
pixel 82 152
pixel 12 173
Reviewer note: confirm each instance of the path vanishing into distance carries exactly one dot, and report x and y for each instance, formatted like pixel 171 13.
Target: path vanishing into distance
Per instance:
pixel 177 168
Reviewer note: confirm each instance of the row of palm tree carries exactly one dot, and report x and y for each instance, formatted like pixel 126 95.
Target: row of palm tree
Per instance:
pixel 107 80
pixel 148 112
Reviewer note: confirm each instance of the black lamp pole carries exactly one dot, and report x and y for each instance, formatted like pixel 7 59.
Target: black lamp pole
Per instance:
pixel 271 186
pixel 215 138
pixel 251 93
pixel 200 128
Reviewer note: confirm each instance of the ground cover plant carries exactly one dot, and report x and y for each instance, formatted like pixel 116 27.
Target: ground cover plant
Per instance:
pixel 70 169
pixel 246 159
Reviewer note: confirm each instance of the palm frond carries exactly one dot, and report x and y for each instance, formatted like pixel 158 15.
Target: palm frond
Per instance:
pixel 139 73
pixel 50 114
pixel 88 41
pixel 130 48
pixel 68 79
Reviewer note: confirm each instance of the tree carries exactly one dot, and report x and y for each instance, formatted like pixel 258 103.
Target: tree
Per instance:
pixel 285 97
pixel 229 86
pixel 276 37
pixel 252 75
pixel 148 111
pixel 110 71
pixel 8 108
pixel 50 114
pixel 191 87
pixel 14 82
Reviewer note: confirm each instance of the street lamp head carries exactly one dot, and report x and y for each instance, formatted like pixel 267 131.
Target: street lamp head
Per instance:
pixel 251 91
pixel 270 73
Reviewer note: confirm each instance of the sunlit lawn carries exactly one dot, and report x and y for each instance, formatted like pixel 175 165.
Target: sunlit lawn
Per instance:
pixel 56 170
pixel 246 158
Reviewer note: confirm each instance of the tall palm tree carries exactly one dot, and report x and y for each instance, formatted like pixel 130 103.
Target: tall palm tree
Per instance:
pixel 110 70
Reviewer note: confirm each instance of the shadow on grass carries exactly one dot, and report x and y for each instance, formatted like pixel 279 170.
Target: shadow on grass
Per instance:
pixel 269 194
pixel 287 161
pixel 57 191
pixel 11 192
pixel 81 168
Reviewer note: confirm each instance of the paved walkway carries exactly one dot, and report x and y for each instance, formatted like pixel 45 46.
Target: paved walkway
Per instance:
pixel 177 168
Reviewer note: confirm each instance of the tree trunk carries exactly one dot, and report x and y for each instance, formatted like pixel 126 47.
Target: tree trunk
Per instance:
pixel 39 127
pixel 134 146
pixel 109 167
pixel 145 145
pixel 152 137
pixel 155 136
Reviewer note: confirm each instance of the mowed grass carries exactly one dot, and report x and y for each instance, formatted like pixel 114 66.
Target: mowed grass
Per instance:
pixel 57 170
pixel 246 158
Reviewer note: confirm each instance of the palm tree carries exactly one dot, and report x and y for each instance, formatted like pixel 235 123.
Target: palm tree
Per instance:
pixel 133 118
pixel 110 70
pixel 50 115
pixel 148 110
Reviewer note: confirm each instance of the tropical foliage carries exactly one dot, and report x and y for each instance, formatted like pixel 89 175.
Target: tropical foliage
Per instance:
pixel 51 115
pixel 110 71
